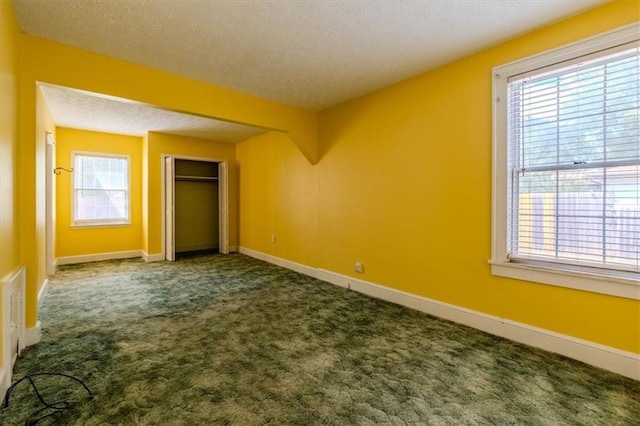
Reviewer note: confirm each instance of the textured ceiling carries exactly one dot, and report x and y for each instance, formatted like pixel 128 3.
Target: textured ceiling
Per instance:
pixel 90 111
pixel 310 54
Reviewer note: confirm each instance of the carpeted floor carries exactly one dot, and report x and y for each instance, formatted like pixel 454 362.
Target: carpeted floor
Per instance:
pixel 234 341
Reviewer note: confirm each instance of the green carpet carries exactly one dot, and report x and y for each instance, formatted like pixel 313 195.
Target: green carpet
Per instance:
pixel 232 340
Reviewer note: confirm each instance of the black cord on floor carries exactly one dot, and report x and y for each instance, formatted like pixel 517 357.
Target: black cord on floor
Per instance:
pixel 49 409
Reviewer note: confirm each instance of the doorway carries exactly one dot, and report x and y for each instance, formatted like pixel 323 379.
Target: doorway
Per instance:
pixel 195 195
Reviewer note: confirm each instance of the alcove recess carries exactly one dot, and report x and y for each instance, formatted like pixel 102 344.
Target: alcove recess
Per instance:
pixel 196 206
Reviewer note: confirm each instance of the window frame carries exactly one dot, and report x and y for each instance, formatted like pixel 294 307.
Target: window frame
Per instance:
pixel 621 284
pixel 100 223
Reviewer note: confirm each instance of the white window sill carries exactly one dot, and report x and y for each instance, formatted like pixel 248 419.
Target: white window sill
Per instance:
pixel 596 283
pixel 101 225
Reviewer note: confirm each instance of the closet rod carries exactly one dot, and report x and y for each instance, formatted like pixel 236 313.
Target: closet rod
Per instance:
pixel 196 178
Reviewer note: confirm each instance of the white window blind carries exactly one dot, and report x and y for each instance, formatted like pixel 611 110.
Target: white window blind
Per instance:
pixel 100 189
pixel 573 191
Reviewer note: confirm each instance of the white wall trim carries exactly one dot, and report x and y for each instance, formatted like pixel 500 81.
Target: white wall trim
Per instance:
pixel 163 197
pixel 32 335
pixel 298 267
pixel 233 249
pixel 156 257
pixel 606 357
pixel 605 284
pixel 95 257
pixel 612 359
pixel 44 289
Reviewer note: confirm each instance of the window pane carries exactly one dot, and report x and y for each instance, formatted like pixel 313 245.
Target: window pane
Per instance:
pixel 101 192
pixel 533 229
pixel 574 156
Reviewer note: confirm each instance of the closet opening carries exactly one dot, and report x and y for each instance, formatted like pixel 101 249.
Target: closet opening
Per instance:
pixel 195 194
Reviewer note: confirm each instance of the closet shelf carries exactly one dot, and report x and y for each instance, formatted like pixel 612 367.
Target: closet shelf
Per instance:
pixel 196 178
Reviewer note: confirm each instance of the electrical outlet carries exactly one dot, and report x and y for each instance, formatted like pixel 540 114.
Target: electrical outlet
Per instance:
pixel 359 267
pixel 273 238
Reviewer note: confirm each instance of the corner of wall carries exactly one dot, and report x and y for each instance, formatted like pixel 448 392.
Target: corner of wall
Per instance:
pixel 5 381
pixel 33 335
pixel 156 257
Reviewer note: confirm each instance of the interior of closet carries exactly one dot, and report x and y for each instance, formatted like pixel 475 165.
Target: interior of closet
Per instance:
pixel 196 206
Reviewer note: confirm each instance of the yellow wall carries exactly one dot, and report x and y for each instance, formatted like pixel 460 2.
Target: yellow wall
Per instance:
pixel 404 186
pixel 9 217
pixel 74 241
pixel 49 62
pixel 35 121
pixel 278 196
pixel 64 65
pixel 159 144
pixel 145 231
pixel 44 125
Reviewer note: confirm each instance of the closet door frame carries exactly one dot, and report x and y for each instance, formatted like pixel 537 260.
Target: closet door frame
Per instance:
pixel 169 208
pixel 168 200
pixel 223 207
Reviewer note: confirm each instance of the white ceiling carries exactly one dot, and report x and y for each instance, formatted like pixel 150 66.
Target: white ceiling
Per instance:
pixel 311 54
pixel 90 111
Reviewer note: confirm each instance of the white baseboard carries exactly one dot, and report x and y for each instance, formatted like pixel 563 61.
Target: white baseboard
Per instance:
pixel 43 291
pixel 233 249
pixel 298 267
pixel 605 357
pixel 156 257
pixel 32 335
pixel 69 260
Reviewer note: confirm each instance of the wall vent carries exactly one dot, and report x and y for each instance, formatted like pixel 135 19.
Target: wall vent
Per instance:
pixel 13 307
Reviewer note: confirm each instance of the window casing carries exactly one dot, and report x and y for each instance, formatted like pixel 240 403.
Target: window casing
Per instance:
pixel 101 189
pixel 566 180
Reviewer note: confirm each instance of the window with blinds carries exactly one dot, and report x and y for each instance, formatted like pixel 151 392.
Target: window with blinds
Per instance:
pixel 573 162
pixel 100 189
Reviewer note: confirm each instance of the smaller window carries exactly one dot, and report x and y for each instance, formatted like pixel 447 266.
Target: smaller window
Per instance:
pixel 100 189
